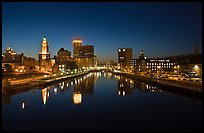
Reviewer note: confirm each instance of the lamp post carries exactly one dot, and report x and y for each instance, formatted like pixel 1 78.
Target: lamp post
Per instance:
pixel 196 68
pixel 178 68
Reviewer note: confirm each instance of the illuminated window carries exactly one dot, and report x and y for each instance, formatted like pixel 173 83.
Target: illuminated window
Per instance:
pixel 121 58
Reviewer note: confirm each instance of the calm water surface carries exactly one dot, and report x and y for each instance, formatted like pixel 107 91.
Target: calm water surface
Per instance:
pixel 100 101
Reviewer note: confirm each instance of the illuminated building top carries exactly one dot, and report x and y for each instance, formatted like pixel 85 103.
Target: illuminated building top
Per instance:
pixel 9 50
pixel 45 49
pixel 77 40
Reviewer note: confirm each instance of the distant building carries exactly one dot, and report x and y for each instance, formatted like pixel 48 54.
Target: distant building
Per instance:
pixel 53 61
pixel 30 64
pixel 77 42
pixel 124 57
pixel 44 53
pixel 64 62
pixel 158 65
pixel 12 58
pixel 84 55
pixel 189 68
pixel 45 64
pixel 109 63
pixel 84 61
pixel 86 50
pixel 63 55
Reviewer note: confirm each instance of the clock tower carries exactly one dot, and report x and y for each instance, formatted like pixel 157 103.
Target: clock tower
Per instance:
pixel 44 55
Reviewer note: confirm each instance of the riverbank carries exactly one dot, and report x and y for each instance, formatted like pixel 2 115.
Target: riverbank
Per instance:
pixel 187 85
pixel 41 83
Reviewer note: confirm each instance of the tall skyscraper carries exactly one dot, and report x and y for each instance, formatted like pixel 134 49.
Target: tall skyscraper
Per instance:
pixel 44 53
pixel 87 50
pixel 44 57
pixel 124 57
pixel 77 42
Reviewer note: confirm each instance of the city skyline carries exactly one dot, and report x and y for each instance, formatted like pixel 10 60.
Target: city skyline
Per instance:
pixel 160 29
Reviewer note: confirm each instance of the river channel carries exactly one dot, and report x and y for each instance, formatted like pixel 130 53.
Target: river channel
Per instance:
pixel 100 101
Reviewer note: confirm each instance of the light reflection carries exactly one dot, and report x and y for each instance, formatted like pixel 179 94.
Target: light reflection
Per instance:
pixel 44 95
pixel 23 105
pixel 55 90
pixel 77 98
pixel 123 93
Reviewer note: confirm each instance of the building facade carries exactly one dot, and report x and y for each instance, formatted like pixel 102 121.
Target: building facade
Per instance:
pixel 124 57
pixel 45 64
pixel 63 55
pixel 84 54
pixel 12 58
pixel 158 65
pixel 44 53
pixel 77 42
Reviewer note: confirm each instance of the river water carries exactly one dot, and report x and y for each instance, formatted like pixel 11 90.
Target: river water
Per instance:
pixel 100 101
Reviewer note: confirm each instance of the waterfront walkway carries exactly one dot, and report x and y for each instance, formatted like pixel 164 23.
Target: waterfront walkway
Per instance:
pixel 16 86
pixel 188 85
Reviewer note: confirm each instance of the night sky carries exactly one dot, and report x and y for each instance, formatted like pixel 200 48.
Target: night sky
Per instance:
pixel 160 29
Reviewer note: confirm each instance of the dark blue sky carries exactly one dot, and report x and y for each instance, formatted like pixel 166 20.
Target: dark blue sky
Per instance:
pixel 160 29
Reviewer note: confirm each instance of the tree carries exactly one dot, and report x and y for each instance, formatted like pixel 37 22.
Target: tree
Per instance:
pixel 71 65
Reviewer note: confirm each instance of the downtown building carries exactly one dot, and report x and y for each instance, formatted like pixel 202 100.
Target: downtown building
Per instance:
pixel 124 57
pixel 18 62
pixel 13 59
pixel 45 64
pixel 188 64
pixel 151 65
pixel 84 54
pixel 64 62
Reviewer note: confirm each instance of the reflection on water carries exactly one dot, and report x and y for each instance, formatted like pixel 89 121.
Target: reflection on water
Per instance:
pixel 45 95
pixel 138 105
pixel 77 98
pixel 23 105
pixel 126 86
pixel 85 86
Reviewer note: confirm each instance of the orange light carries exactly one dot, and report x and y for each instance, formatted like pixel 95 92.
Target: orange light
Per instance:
pixel 77 98
pixel 75 41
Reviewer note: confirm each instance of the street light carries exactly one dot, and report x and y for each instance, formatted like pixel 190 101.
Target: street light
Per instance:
pixel 178 68
pixel 196 68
